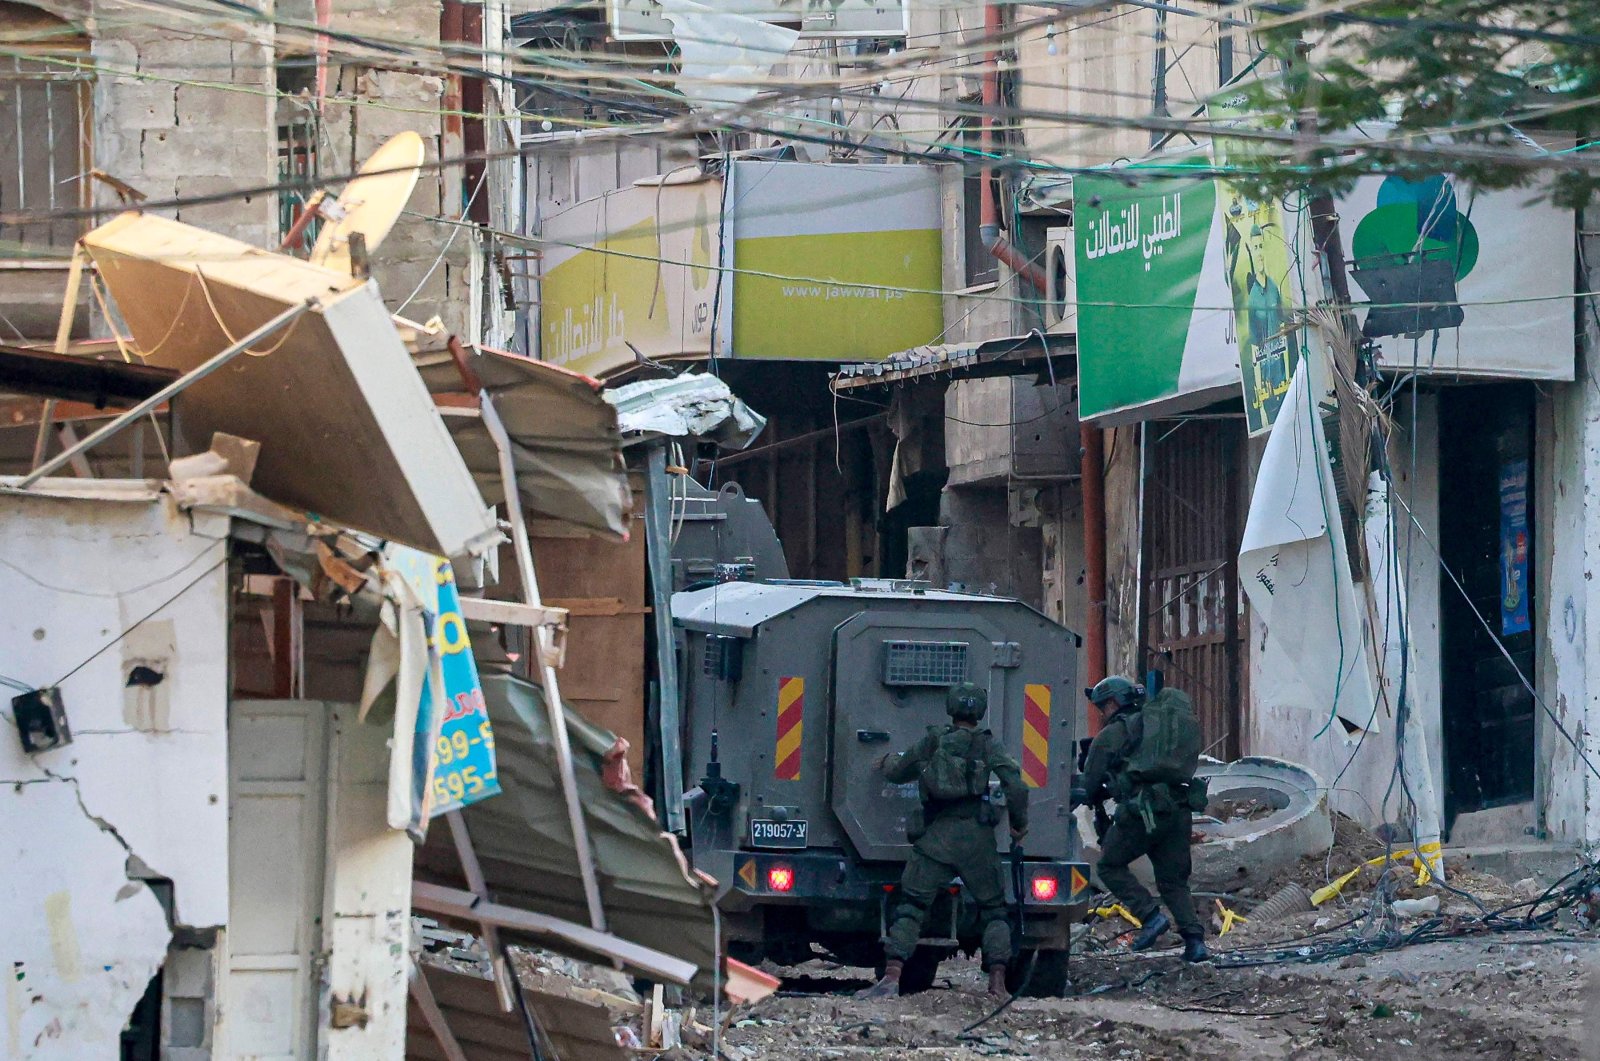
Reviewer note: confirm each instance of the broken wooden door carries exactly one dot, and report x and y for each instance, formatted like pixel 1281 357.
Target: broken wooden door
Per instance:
pixel 1192 628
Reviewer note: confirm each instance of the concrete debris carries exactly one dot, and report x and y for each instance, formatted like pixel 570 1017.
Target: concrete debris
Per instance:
pixel 586 1010
pixel 1416 907
pixel 1264 815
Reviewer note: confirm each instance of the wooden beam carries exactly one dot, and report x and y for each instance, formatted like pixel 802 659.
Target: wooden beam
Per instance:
pixel 510 613
pixel 598 606
pixel 547 653
pixel 434 1017
pixel 505 981
pixel 454 902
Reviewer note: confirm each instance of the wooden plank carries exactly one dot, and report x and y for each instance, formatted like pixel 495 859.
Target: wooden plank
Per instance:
pixel 602 584
pixel 428 1006
pixel 596 606
pixel 454 902
pixel 511 613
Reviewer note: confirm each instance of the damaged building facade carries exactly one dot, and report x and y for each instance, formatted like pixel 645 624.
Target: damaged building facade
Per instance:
pixel 961 458
pixel 270 622
pixel 231 615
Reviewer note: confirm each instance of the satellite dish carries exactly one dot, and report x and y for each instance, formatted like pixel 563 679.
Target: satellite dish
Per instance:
pixel 372 202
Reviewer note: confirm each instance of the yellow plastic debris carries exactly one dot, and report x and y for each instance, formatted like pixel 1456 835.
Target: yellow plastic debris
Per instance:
pixel 1229 919
pixel 1118 910
pixel 1421 863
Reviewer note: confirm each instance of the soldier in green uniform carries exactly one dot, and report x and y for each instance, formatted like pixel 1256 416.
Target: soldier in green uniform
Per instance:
pixel 955 838
pixel 1152 818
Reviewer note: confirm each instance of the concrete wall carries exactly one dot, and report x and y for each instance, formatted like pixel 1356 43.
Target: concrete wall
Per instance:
pixel 425 264
pixel 983 550
pixel 180 106
pixel 186 105
pixel 1571 695
pixel 141 793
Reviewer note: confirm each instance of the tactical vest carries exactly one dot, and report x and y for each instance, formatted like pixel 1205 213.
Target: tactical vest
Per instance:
pixel 956 773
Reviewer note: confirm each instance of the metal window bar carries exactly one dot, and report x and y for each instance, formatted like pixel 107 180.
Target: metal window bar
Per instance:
pixel 46 150
pixel 297 165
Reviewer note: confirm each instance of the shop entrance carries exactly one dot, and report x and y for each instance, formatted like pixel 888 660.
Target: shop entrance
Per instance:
pixel 1193 522
pixel 1486 538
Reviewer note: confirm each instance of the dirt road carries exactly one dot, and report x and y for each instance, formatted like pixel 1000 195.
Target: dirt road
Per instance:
pixel 1514 996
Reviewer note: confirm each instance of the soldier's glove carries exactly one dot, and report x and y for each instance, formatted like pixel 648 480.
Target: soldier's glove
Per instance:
pixel 1080 796
pixel 1102 822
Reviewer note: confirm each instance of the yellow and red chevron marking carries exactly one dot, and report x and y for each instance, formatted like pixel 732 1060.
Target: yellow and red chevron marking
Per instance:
pixel 791 722
pixel 1036 735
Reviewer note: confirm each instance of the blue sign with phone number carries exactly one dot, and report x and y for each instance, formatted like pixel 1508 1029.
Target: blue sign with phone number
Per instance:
pixel 462 754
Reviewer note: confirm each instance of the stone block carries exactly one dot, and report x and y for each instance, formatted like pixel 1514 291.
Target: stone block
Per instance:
pixel 136 104
pixel 200 151
pixel 221 110
pixel 246 218
pixel 176 55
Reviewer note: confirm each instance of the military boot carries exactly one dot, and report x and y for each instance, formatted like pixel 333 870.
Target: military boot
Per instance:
pixel 1194 949
pixel 997 983
pixel 1154 928
pixel 889 986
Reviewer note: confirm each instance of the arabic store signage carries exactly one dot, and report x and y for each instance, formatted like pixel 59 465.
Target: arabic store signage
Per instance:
pixel 1151 309
pixel 811 262
pixel 1177 276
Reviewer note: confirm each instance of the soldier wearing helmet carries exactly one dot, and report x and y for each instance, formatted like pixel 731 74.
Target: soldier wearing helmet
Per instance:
pixel 955 837
pixel 1153 812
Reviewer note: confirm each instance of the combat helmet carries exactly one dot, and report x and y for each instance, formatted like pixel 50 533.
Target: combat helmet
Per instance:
pixel 966 702
pixel 1124 691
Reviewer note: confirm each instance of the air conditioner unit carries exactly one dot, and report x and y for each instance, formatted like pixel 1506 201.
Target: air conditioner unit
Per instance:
pixel 1061 285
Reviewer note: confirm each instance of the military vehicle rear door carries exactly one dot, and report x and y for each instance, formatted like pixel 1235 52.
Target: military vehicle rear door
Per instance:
pixel 891 669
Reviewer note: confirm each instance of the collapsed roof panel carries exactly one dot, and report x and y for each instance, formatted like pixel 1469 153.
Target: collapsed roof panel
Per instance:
pixel 347 429
pixel 564 436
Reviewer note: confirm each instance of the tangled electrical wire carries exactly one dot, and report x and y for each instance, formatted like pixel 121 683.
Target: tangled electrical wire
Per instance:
pixel 1380 931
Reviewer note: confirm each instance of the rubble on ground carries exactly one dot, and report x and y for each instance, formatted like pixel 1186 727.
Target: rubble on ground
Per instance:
pixel 1283 987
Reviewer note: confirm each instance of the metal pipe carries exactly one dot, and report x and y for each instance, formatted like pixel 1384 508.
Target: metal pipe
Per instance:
pixel 988 213
pixel 1092 446
pixel 988 210
pixel 166 393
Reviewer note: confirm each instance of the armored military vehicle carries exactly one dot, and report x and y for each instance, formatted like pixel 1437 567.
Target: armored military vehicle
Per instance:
pixel 792 693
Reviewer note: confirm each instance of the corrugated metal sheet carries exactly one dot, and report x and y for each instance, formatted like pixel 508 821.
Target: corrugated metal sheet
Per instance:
pixel 567 446
pixel 651 896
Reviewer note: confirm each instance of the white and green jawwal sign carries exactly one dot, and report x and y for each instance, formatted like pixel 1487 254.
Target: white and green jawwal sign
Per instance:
pixel 1185 296
pixel 1188 286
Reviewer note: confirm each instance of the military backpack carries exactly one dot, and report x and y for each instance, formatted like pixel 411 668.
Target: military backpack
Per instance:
pixel 1168 750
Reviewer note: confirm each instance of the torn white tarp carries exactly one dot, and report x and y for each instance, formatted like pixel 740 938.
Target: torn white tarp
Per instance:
pixel 1295 568
pixel 692 405
pixel 725 57
pixel 404 666
pixel 347 429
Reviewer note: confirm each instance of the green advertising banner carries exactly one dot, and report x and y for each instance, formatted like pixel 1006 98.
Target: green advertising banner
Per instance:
pixel 1259 238
pixel 1140 252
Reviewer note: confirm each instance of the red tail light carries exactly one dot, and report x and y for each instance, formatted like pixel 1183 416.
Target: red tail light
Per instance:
pixel 1045 888
pixel 780 878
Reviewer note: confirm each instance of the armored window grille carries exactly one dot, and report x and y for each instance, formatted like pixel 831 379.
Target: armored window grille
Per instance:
pixel 45 85
pixel 924 662
pixel 724 658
